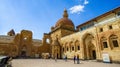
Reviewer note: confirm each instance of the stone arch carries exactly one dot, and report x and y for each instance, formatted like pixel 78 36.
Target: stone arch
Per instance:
pixel 65 45
pixel 77 45
pixel 24 51
pixel 70 46
pixel 63 48
pixel 83 36
pixel 47 39
pixel 113 35
pixel 89 46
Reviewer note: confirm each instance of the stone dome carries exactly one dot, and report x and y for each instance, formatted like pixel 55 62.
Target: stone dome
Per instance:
pixel 65 20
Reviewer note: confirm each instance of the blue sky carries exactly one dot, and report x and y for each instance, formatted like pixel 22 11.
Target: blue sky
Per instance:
pixel 39 15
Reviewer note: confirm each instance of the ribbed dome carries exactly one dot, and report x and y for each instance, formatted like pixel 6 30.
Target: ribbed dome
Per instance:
pixel 64 21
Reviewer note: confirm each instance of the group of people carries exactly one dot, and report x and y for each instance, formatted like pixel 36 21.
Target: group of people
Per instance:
pixel 76 58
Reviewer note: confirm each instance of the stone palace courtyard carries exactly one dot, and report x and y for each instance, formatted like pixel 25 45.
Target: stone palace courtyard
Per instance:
pixel 58 63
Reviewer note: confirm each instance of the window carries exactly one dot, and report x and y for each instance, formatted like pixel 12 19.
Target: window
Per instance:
pixel 118 14
pixel 47 40
pixel 110 27
pixel 78 47
pixel 63 49
pixel 101 29
pixel 25 38
pixel 72 48
pixel 115 43
pixel 67 48
pixel 81 29
pixel 114 40
pixel 105 45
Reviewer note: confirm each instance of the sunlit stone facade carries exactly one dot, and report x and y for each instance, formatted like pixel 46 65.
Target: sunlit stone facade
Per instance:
pixel 90 40
pixel 21 45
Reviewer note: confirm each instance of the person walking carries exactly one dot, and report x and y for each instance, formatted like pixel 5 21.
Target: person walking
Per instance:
pixel 78 59
pixel 74 59
pixel 55 59
pixel 66 58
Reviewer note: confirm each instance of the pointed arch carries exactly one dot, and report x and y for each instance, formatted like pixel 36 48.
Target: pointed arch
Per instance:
pixel 85 35
pixel 89 46
pixel 70 46
pixel 67 46
pixel 77 45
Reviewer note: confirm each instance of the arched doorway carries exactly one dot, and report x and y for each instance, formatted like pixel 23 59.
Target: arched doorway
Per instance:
pixel 23 52
pixel 92 51
pixel 89 47
pixel 57 53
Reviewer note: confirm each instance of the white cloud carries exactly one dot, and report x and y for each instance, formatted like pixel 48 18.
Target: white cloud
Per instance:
pixel 76 9
pixel 86 2
pixel 79 8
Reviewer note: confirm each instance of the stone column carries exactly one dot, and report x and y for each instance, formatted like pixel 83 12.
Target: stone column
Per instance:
pixel 82 49
pixel 87 51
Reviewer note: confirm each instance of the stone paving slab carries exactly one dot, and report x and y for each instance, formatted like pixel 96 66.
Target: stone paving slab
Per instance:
pixel 59 63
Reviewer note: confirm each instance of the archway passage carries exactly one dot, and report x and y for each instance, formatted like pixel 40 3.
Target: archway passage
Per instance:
pixel 23 53
pixel 89 47
pixel 94 54
pixel 92 51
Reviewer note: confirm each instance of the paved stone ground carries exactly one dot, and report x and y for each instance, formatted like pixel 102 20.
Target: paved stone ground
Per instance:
pixel 59 63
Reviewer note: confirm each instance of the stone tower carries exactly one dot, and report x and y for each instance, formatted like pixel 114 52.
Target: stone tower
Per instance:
pixel 25 43
pixel 63 27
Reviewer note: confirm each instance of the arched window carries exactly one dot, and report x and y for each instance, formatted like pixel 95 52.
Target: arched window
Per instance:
pixel 47 40
pixel 104 43
pixel 67 49
pixel 77 45
pixel 114 41
pixel 118 13
pixel 72 48
pixel 63 49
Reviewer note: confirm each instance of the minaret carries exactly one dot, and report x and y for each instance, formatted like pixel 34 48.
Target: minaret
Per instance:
pixel 65 14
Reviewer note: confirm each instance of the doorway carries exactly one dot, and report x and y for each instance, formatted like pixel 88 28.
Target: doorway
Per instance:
pixel 57 55
pixel 89 47
pixel 23 53
pixel 94 54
